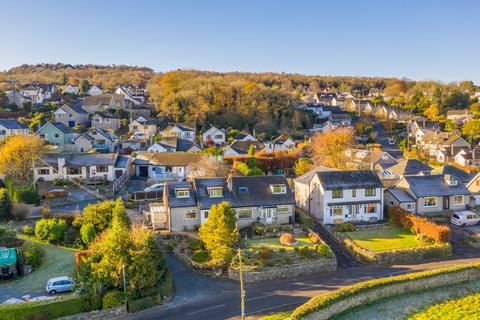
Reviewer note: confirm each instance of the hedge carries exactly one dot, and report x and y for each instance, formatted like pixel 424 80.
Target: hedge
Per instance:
pixel 152 296
pixel 303 218
pixel 45 310
pixel 419 225
pixel 324 301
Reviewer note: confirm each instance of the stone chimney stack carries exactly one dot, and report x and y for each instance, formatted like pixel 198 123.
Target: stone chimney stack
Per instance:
pixel 231 174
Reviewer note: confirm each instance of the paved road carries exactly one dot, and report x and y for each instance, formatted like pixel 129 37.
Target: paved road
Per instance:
pixel 382 139
pixel 278 295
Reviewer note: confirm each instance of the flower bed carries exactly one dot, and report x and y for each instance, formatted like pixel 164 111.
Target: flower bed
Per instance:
pixel 338 301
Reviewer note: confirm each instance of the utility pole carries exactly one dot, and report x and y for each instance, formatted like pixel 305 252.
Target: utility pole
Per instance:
pixel 242 291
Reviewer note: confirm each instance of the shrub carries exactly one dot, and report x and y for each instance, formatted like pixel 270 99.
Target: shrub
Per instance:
pixel 71 238
pixel 419 225
pixel 88 233
pixel 140 304
pixel 287 239
pixel 8 238
pixel 33 254
pixel 345 227
pixel 306 252
pixel 195 245
pixel 303 218
pixel 282 250
pixel 200 255
pixel 314 238
pixel 27 230
pixel 259 230
pixel 45 310
pixel 264 253
pixel 20 211
pixel 5 204
pixel 113 299
pixel 323 250
pixel 51 230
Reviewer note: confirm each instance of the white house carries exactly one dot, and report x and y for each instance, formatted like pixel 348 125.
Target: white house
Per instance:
pixel 128 97
pixel 165 166
pixel 182 131
pixel 70 89
pixel 174 144
pixel 94 91
pixel 9 127
pixel 281 143
pixel 244 136
pixel 214 135
pixel 346 196
pixel 86 167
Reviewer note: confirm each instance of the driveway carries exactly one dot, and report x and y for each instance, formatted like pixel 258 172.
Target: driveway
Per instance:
pixel 382 139
pixel 457 238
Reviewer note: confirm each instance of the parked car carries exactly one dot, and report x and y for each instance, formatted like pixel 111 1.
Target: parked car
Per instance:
pixel 139 136
pixel 59 284
pixel 391 141
pixel 465 218
pixel 155 187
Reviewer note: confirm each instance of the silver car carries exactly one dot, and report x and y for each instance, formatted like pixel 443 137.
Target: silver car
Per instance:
pixel 59 284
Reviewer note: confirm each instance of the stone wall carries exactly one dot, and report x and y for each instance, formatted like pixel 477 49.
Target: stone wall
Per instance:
pixel 284 272
pixel 387 291
pixel 108 314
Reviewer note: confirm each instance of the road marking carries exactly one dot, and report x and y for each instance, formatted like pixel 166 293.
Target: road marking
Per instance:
pixel 260 297
pixel 276 307
pixel 206 309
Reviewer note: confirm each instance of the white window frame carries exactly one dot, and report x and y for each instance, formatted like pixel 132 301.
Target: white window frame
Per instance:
pixel 410 206
pixel 182 193
pixel 243 211
pixel 283 209
pixel 189 212
pixel 333 210
pixel 283 188
pixel 369 205
pixel 374 193
pixel 215 192
pixel 427 205
pixel 337 190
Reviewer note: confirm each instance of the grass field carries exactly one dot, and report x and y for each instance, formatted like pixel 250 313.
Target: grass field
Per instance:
pixel 274 243
pixel 385 239
pixel 464 308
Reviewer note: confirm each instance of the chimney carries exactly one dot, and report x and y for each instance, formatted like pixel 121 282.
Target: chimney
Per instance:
pixel 231 174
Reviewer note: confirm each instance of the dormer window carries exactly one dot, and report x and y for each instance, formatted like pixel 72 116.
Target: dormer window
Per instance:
pixel 279 188
pixel 215 192
pixel 182 193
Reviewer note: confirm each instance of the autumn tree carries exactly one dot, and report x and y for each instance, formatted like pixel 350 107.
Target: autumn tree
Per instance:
pixel 472 129
pixel 208 166
pixel 328 148
pixel 432 112
pixel 302 166
pixel 475 109
pixel 219 233
pixel 17 154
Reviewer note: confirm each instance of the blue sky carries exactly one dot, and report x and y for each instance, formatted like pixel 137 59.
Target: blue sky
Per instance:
pixel 422 39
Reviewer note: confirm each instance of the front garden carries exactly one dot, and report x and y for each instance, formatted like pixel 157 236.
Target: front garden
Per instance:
pixel 406 237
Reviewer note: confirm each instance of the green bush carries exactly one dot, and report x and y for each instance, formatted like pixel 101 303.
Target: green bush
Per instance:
pixel 27 193
pixel 345 227
pixel 323 250
pixel 195 245
pixel 200 255
pixel 45 310
pixel 33 254
pixel 303 218
pixel 51 230
pixel 28 230
pixel 113 299
pixel 88 233
pixel 71 238
pixel 259 230
pixel 141 304
pixel 5 204
pixel 324 301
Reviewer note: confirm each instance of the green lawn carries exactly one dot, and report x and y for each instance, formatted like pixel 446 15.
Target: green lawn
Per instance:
pixel 274 243
pixel 385 239
pixel 57 262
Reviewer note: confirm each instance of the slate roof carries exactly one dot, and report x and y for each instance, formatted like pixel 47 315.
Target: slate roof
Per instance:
pixel 80 160
pixel 434 186
pixel 259 191
pixel 410 167
pixel 61 127
pixel 12 124
pixel 76 107
pixel 349 179
pixel 174 202
pixel 241 147
pixel 106 115
pixel 122 161
pixel 307 177
pixel 167 158
pixel 462 175
pixel 401 195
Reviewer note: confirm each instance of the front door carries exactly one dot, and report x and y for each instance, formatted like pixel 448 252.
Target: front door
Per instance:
pixel 446 203
pixel 143 171
pixel 353 211
pixel 71 124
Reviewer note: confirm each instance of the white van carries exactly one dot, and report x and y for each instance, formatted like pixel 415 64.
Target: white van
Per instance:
pixel 465 218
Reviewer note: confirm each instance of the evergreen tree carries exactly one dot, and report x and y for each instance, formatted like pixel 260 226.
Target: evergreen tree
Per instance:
pixel 220 233
pixel 120 214
pixel 5 204
pixel 251 151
